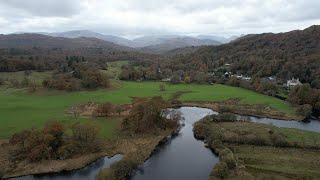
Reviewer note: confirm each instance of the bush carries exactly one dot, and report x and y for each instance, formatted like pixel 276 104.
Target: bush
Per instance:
pixel 62 82
pixel 105 109
pixel 146 116
pixel 92 79
pixel 305 110
pixel 225 109
pixel 14 83
pixel 52 142
pixel 226 155
pixel 199 130
pixel 254 140
pixel 162 87
pixel 123 169
pixel 216 144
pixel 85 136
pixel 222 117
pixel 220 170
pixel 278 140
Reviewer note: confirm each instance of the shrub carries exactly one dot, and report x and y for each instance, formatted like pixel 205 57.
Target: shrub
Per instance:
pixel 220 170
pixel 227 117
pixel 222 117
pixel 92 79
pixel 123 169
pixel 146 116
pixel 51 142
pixel 305 110
pixel 226 155
pixel 225 109
pixel 162 87
pixel 278 140
pixel 62 82
pixel 25 82
pixel 14 83
pixel 105 109
pixel 85 136
pixel 216 145
pixel 254 140
pixel 199 130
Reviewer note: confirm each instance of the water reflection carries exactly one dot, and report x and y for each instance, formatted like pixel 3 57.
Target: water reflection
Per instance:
pixel 183 157
pixel 311 125
pixel 87 173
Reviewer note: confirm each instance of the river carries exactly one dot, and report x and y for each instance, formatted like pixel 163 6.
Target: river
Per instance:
pixel 182 157
pixel 88 173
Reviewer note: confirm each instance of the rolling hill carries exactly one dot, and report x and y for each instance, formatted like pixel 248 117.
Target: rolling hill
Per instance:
pixel 29 40
pixel 284 55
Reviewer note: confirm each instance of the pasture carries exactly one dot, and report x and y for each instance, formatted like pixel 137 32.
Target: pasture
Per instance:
pixel 20 109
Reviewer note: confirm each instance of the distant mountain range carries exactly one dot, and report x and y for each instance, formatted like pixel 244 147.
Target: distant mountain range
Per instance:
pixel 30 40
pixel 151 44
pixel 85 33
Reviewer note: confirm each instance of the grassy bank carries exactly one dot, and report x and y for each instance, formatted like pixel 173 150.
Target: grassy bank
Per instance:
pixel 262 151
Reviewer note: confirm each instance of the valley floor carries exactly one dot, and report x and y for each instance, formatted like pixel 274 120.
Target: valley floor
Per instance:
pixel 20 109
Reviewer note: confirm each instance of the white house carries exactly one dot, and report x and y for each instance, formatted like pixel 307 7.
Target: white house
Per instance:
pixel 293 82
pixel 166 80
pixel 247 78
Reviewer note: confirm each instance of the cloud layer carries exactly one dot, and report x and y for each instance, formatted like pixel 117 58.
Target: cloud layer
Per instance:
pixel 148 17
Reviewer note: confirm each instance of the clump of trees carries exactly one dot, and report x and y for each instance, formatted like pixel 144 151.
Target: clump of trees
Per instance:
pixel 307 98
pixel 52 142
pixel 75 76
pixel 147 115
pixel 62 82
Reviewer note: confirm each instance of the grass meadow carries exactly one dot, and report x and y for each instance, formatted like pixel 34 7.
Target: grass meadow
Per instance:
pixel 21 110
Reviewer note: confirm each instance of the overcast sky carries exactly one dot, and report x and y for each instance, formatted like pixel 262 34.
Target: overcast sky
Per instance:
pixel 155 17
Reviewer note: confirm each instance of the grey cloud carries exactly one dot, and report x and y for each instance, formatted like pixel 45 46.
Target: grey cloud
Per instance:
pixel 147 17
pixel 59 8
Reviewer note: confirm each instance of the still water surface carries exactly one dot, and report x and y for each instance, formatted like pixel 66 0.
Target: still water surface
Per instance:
pixel 182 157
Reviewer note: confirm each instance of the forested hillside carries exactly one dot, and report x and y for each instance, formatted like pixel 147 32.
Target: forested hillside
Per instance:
pixel 40 52
pixel 284 55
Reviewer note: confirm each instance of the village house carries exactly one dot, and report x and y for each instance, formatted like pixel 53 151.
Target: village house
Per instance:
pixel 166 80
pixel 247 78
pixel 293 82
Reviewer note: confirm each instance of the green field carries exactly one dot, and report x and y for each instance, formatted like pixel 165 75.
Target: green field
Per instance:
pixel 20 110
pixel 38 77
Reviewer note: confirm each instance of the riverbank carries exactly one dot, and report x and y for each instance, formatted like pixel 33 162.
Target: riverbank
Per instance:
pixel 253 150
pixel 135 155
pixel 124 145
pixel 234 106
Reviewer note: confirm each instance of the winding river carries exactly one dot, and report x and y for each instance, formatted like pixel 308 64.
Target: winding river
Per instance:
pixel 182 157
